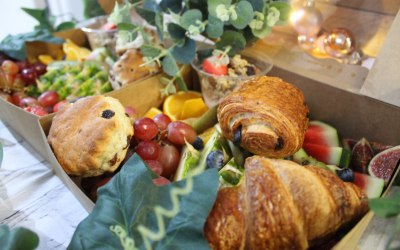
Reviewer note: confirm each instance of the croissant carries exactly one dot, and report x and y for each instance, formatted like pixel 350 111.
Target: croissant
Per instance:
pixel 265 116
pixel 282 205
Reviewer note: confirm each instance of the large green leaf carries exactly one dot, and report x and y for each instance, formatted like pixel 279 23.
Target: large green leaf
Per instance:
pixel 42 16
pixel 234 39
pixel 131 206
pixel 190 17
pixel 386 207
pixel 244 12
pixel 65 26
pixel 186 53
pixel 14 45
pixel 169 65
pixel 17 238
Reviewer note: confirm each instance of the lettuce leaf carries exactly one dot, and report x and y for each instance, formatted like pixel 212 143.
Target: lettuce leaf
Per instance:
pixel 132 213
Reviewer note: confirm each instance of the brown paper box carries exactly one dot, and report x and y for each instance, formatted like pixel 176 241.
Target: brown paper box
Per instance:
pixel 354 116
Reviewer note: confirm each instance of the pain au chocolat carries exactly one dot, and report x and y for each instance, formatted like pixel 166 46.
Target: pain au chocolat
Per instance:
pixel 266 116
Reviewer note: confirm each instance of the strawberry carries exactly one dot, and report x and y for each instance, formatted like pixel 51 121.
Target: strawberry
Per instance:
pixel 109 26
pixel 213 65
pixel 39 111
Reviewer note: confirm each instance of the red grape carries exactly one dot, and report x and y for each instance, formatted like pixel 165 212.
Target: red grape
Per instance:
pixel 37 110
pixel 10 67
pixel 28 75
pixel 169 157
pixel 16 97
pixel 145 129
pixel 161 181
pixel 22 65
pixel 59 105
pixel 162 121
pixel 39 68
pixel 148 150
pixel 48 98
pixel 28 102
pixel 178 131
pixel 155 166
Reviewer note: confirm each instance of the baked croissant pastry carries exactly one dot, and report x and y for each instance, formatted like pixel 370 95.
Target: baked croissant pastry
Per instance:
pixel 282 205
pixel 266 116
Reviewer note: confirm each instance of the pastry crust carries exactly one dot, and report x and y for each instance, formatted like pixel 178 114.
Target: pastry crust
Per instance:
pixel 271 114
pixel 129 68
pixel 91 136
pixel 282 205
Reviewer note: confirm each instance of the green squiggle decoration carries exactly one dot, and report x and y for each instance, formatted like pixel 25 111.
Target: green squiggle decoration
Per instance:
pixel 147 234
pixel 126 241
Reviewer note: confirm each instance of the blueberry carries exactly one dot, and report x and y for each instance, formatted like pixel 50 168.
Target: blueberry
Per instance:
pixel 198 143
pixel 237 136
pixel 107 114
pixel 215 159
pixel 346 174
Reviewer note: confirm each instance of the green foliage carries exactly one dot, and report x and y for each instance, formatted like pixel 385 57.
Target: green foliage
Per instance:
pixel 130 207
pixel 386 207
pixel 225 22
pixel 92 8
pixel 17 238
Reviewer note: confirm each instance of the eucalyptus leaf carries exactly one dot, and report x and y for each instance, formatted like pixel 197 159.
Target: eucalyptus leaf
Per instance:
pixel 129 206
pixel 92 8
pixel 231 38
pixel 213 4
pixel 126 26
pixel 14 45
pixel 18 238
pixel 150 51
pixel 245 14
pixel 176 32
pixel 173 5
pixel 65 26
pixel 284 10
pixel 147 15
pixel 190 17
pixel 151 5
pixel 160 25
pixel 215 27
pixel 169 65
pixel 258 5
pixel 263 32
pixel 120 14
pixel 386 207
pixel 186 53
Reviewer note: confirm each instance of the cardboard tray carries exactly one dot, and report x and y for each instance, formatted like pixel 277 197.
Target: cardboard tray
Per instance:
pixel 353 115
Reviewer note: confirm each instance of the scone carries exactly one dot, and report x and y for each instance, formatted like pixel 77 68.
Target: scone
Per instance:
pixel 266 116
pixel 129 68
pixel 91 136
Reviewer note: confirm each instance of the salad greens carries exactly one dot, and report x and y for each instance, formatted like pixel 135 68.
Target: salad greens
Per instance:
pixel 132 213
pixel 17 238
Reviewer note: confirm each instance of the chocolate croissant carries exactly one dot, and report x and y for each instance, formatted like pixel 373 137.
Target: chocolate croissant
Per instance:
pixel 282 205
pixel 266 116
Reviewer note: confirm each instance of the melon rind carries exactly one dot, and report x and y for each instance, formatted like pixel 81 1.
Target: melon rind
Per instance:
pixel 372 186
pixel 322 134
pixel 333 155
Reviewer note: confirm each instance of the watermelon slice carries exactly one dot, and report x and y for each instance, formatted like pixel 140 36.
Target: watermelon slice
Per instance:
pixel 321 134
pixel 372 186
pixel 329 155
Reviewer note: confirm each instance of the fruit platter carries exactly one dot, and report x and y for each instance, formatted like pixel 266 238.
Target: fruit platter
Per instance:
pixel 177 141
pixel 219 151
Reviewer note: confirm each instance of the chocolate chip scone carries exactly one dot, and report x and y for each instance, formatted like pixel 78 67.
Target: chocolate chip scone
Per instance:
pixel 91 136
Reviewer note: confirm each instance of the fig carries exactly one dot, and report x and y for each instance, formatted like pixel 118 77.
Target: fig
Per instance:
pixel 361 155
pixel 379 147
pixel 384 164
pixel 348 143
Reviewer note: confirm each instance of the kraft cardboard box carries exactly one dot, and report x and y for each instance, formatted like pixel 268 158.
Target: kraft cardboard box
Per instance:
pixel 353 115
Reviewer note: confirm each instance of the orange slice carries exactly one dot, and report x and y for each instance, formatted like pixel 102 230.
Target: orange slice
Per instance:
pixel 173 104
pixel 73 52
pixel 152 112
pixel 193 108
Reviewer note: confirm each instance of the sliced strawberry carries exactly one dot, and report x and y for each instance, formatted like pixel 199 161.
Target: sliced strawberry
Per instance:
pixel 109 26
pixel 212 66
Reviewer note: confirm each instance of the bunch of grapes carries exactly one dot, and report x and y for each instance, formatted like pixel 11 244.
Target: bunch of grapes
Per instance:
pixel 158 142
